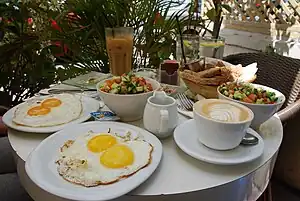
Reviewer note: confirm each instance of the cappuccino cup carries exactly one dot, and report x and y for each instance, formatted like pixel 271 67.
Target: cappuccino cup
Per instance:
pixel 221 124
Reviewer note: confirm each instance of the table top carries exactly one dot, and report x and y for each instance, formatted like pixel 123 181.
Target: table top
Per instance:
pixel 178 172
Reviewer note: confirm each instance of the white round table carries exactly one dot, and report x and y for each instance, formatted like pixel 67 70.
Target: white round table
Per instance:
pixel 179 176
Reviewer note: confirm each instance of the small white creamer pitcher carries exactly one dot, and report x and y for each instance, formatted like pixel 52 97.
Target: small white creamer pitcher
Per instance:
pixel 160 115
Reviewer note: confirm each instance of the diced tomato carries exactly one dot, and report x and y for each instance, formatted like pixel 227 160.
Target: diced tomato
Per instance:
pixel 252 97
pixel 118 80
pixel 142 79
pixel 149 86
pixel 104 89
pixel 231 91
pixel 141 83
pixel 109 82
pixel 247 100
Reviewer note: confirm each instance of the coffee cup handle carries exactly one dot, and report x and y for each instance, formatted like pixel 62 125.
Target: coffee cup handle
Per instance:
pixel 164 121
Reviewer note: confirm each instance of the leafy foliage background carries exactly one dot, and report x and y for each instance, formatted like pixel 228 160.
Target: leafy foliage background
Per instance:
pixel 36 35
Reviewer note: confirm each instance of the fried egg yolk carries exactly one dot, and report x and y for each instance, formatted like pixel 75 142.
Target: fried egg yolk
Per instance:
pixel 100 143
pixel 117 156
pixel 38 110
pixel 51 102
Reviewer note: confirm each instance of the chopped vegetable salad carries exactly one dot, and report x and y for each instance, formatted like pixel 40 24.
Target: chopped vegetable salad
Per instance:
pixel 247 93
pixel 126 84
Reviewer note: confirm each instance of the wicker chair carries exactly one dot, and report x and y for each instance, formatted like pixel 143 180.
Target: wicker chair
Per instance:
pixel 283 74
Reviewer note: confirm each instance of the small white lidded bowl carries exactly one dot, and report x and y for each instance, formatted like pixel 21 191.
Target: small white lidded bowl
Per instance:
pixel 221 124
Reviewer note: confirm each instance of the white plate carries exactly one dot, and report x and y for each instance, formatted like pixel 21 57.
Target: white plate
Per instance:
pixel 185 136
pixel 42 170
pixel 89 105
pixel 82 80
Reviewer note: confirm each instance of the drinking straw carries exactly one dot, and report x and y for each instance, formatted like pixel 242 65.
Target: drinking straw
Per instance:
pixel 217 37
pixel 181 39
pixel 219 27
pixel 110 25
pixel 206 28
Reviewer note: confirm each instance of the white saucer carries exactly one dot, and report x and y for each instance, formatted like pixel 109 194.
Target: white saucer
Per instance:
pixel 185 136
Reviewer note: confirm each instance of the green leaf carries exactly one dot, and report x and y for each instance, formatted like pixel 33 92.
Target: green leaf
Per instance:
pixel 226 7
pixel 211 14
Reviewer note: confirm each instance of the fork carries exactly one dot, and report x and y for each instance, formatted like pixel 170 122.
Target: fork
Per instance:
pixel 184 102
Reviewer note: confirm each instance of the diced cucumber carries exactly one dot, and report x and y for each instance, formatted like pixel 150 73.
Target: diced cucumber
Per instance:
pixel 140 89
pixel 237 95
pixel 274 98
pixel 260 101
pixel 114 91
pixel 125 79
pixel 123 90
pixel 114 85
pixel 270 94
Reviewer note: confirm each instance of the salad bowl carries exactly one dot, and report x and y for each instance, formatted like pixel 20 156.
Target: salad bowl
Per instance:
pixel 127 106
pixel 262 110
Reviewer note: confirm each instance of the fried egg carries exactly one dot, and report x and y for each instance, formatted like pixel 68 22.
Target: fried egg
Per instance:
pixel 51 111
pixel 104 158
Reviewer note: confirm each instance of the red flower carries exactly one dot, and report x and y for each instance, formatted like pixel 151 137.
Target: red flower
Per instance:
pixel 30 21
pixel 55 25
pixel 64 49
pixel 158 18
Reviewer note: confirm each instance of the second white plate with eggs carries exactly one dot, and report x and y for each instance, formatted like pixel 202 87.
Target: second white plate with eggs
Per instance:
pixel 88 105
pixel 43 170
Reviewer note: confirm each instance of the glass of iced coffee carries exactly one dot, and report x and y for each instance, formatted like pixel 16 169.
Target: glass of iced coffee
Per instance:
pixel 119 45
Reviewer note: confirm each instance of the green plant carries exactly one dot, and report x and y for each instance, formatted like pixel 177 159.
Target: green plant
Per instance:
pixel 26 65
pixel 215 15
pixel 84 33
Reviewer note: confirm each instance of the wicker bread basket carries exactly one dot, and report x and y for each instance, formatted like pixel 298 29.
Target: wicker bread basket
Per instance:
pixel 208 91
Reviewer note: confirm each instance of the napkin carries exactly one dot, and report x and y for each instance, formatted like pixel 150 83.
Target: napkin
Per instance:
pixel 248 72
pixel 92 94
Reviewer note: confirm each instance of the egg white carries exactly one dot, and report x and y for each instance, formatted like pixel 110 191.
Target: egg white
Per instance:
pixel 69 110
pixel 78 165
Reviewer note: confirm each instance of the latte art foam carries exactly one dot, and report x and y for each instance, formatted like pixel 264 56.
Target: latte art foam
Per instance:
pixel 224 112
